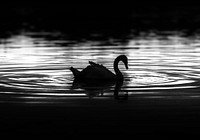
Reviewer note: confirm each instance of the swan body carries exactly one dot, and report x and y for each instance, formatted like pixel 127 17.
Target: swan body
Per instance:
pixel 99 72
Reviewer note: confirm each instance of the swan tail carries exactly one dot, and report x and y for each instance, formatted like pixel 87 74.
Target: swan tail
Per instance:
pixel 75 72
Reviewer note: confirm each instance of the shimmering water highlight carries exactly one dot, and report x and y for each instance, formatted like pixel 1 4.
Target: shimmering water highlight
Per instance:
pixel 34 66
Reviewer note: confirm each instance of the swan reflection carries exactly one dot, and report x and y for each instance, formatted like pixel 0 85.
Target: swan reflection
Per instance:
pixel 93 89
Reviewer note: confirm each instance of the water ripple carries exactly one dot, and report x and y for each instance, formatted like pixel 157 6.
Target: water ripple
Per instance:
pixel 38 68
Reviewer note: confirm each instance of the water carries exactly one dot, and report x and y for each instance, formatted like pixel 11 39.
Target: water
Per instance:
pixel 159 94
pixel 35 67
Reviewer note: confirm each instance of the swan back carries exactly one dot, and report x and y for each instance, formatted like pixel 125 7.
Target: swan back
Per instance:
pixel 96 71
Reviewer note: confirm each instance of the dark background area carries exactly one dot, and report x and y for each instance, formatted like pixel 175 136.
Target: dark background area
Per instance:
pixel 138 15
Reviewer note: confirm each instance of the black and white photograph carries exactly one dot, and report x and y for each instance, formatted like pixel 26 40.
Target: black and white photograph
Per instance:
pixel 120 70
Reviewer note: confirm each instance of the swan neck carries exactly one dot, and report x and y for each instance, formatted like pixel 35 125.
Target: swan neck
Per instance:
pixel 117 71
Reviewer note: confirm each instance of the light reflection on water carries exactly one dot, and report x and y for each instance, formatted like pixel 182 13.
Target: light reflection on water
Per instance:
pixel 35 69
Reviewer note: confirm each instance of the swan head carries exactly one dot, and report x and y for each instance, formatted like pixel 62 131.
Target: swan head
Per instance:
pixel 124 59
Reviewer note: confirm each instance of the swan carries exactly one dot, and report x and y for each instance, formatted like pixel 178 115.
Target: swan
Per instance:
pixel 95 72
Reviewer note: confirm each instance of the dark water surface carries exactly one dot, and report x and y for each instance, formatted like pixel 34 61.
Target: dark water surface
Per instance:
pixel 160 92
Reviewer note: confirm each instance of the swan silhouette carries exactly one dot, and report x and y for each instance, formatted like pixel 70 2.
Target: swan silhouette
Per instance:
pixel 96 72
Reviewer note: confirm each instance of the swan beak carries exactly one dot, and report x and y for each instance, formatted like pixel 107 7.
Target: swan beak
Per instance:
pixel 126 66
